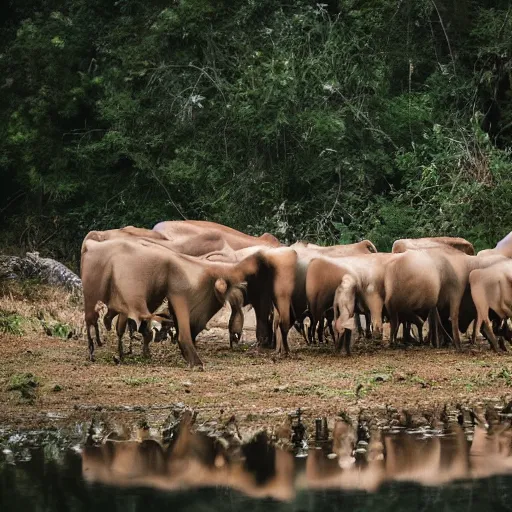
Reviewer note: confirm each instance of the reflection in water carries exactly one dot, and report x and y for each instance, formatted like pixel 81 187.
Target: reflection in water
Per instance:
pixel 259 469
pixel 387 466
pixel 194 459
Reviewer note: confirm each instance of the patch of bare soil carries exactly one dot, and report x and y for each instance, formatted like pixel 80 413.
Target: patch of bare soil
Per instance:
pixel 257 387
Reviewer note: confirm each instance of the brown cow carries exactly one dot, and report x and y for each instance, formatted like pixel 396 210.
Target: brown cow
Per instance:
pixel 363 278
pixel 433 243
pixel 180 231
pixel 306 252
pixel 126 232
pixel 424 281
pixel 334 251
pixel 262 302
pixel 439 242
pixel 133 278
pixel 195 245
pixel 491 288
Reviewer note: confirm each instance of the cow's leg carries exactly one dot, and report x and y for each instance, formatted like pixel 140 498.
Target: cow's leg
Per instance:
pixel 306 326
pixel 320 330
pixel 393 330
pixel 433 327
pixel 489 334
pixel 182 315
pixel 368 320
pixel 473 336
pixel 359 326
pixel 283 308
pixel 407 332
pixel 132 327
pixel 454 317
pixel 374 315
pixel 347 337
pixel 147 337
pixel 477 325
pixel 90 342
pixel 97 333
pixel 338 342
pixel 311 331
pixel 418 322
pixel 120 329
pixel 331 328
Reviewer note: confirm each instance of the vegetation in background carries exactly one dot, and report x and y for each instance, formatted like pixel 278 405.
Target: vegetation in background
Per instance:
pixel 324 121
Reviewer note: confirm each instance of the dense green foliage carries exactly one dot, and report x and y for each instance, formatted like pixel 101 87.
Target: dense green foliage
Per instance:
pixel 331 122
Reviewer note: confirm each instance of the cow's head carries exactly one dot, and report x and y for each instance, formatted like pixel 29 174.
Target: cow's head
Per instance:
pixel 344 305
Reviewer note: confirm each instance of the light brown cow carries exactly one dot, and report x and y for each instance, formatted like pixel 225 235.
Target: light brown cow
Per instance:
pixel 181 231
pixel 439 242
pixel 126 232
pixel 362 280
pixel 421 281
pixel 432 243
pixel 334 251
pixel 201 242
pixel 491 288
pixel 197 243
pixel 306 253
pixel 133 278
pixel 262 302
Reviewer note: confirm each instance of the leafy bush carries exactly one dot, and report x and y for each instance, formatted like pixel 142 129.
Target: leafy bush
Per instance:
pixel 330 122
pixel 25 383
pixel 11 323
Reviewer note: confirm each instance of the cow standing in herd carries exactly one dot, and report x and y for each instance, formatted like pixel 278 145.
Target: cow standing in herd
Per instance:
pixel 195 267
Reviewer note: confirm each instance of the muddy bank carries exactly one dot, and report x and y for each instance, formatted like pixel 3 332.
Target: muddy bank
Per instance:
pixel 46 381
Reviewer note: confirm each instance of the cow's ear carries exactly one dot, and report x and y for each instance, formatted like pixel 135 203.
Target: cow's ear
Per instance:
pixel 221 286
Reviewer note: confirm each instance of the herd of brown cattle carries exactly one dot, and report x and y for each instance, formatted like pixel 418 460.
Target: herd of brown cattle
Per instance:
pixel 198 266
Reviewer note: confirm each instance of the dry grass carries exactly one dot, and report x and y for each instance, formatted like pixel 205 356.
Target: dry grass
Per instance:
pixel 39 306
pixel 257 387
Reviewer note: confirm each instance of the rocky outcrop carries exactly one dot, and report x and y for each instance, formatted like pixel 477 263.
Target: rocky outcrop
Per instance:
pixel 46 270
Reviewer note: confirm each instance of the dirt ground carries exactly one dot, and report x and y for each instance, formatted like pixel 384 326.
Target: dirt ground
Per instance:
pixel 259 388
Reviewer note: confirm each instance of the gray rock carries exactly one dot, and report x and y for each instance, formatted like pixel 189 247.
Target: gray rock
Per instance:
pixel 46 270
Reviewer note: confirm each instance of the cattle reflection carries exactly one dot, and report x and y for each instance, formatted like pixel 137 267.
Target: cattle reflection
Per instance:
pixel 432 461
pixel 259 469
pixel 194 460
